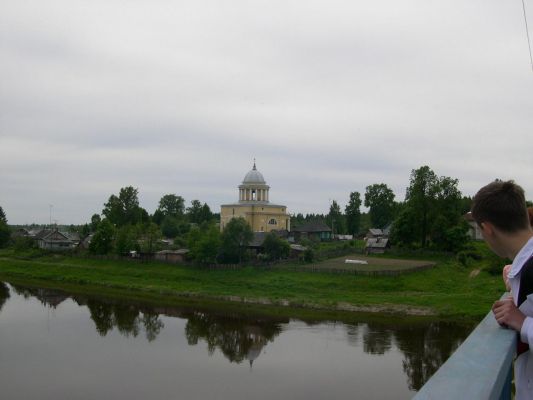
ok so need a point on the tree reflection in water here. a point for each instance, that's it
(4, 294)
(425, 345)
(237, 338)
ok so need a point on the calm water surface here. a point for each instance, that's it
(59, 346)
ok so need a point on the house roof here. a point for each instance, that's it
(312, 226)
(375, 231)
(377, 243)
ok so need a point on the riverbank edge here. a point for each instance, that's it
(219, 305)
(278, 307)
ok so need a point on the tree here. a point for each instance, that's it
(379, 198)
(95, 221)
(353, 213)
(126, 240)
(124, 209)
(172, 205)
(151, 235)
(170, 227)
(3, 217)
(432, 212)
(421, 196)
(335, 218)
(102, 241)
(5, 232)
(275, 247)
(199, 213)
(235, 238)
(206, 249)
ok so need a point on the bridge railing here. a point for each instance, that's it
(480, 369)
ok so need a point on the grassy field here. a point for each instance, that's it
(373, 264)
(446, 290)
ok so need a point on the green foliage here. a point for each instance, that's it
(23, 243)
(170, 227)
(309, 255)
(353, 213)
(102, 241)
(126, 240)
(206, 247)
(432, 213)
(3, 217)
(150, 236)
(124, 209)
(235, 238)
(198, 213)
(379, 198)
(335, 218)
(275, 247)
(95, 221)
(172, 205)
(5, 232)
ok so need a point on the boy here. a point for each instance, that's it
(500, 211)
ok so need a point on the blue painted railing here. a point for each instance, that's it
(480, 369)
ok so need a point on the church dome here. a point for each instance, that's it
(254, 176)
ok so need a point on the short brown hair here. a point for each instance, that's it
(503, 204)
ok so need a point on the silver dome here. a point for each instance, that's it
(254, 176)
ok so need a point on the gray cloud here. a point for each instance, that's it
(178, 97)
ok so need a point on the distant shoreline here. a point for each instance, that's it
(443, 291)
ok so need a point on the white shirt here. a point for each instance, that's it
(524, 363)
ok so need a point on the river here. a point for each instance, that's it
(56, 345)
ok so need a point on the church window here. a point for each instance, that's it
(273, 222)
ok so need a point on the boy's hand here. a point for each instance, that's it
(506, 313)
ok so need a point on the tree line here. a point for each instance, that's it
(432, 214)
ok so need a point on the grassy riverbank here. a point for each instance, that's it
(447, 290)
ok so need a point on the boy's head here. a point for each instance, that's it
(503, 204)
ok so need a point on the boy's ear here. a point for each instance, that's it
(487, 228)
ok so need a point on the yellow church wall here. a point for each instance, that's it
(259, 217)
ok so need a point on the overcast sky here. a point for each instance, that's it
(328, 96)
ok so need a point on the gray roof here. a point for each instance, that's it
(312, 226)
(377, 243)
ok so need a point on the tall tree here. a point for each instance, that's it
(432, 212)
(198, 212)
(335, 218)
(5, 232)
(172, 205)
(379, 198)
(353, 213)
(102, 241)
(3, 217)
(275, 247)
(235, 238)
(421, 196)
(124, 209)
(95, 221)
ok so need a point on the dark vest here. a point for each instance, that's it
(526, 288)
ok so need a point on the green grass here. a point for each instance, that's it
(447, 290)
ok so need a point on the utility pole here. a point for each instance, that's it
(51, 205)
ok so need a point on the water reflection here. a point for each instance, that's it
(237, 338)
(4, 294)
(424, 346)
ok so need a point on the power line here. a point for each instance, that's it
(527, 34)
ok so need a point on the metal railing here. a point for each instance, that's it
(480, 369)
